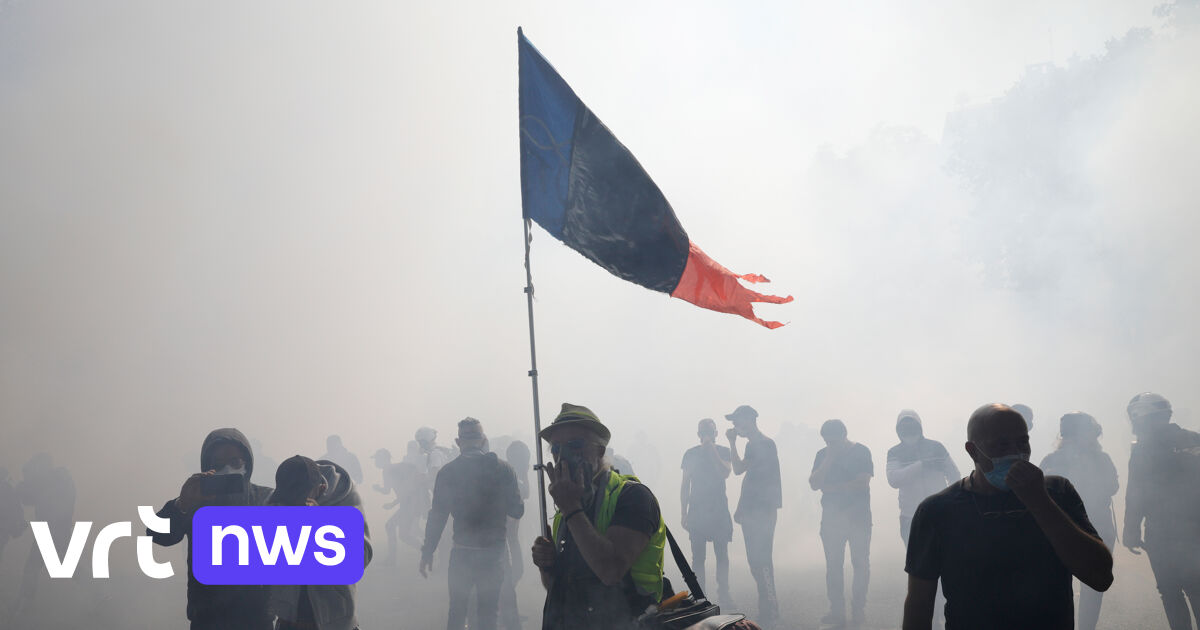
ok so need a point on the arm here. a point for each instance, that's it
(816, 480)
(435, 523)
(609, 556)
(724, 466)
(949, 468)
(918, 606)
(861, 482)
(1111, 481)
(685, 493)
(1135, 509)
(899, 473)
(516, 507)
(181, 525)
(1083, 554)
(736, 462)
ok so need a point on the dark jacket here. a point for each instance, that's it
(1162, 487)
(248, 603)
(332, 605)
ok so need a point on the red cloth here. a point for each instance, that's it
(707, 284)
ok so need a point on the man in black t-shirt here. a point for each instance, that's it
(758, 507)
(705, 506)
(1005, 540)
(842, 471)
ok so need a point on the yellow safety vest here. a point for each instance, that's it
(647, 569)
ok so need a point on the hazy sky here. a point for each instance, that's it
(304, 218)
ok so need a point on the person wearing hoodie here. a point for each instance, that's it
(224, 452)
(301, 481)
(917, 467)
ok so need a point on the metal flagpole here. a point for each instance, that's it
(533, 375)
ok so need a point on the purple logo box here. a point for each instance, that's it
(277, 545)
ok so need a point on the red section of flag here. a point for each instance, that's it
(709, 285)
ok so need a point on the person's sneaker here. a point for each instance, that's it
(858, 618)
(833, 618)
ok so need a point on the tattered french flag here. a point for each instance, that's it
(586, 189)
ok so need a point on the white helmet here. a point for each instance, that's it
(1147, 403)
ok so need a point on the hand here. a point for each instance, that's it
(1133, 542)
(191, 493)
(1027, 482)
(731, 435)
(310, 502)
(564, 488)
(543, 553)
(683, 520)
(426, 567)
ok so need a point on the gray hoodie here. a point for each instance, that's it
(918, 469)
(332, 604)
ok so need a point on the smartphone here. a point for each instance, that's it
(223, 484)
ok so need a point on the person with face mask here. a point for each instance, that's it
(705, 507)
(1164, 466)
(917, 467)
(226, 463)
(603, 562)
(1080, 458)
(1004, 541)
(480, 491)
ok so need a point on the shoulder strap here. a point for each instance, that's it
(689, 576)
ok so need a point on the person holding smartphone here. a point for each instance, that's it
(226, 463)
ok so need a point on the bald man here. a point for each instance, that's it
(1005, 541)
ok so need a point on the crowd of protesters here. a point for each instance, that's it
(998, 548)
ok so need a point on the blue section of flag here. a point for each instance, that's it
(586, 189)
(548, 111)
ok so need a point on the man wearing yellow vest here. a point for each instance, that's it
(604, 564)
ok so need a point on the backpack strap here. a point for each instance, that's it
(689, 576)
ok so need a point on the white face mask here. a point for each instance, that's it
(910, 439)
(229, 470)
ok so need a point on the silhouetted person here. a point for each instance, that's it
(1163, 493)
(481, 492)
(842, 471)
(518, 457)
(50, 490)
(1004, 541)
(406, 485)
(224, 452)
(337, 453)
(705, 506)
(758, 506)
(917, 467)
(12, 515)
(619, 462)
(1026, 414)
(604, 564)
(1080, 459)
(301, 481)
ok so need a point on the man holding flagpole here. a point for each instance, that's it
(603, 565)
